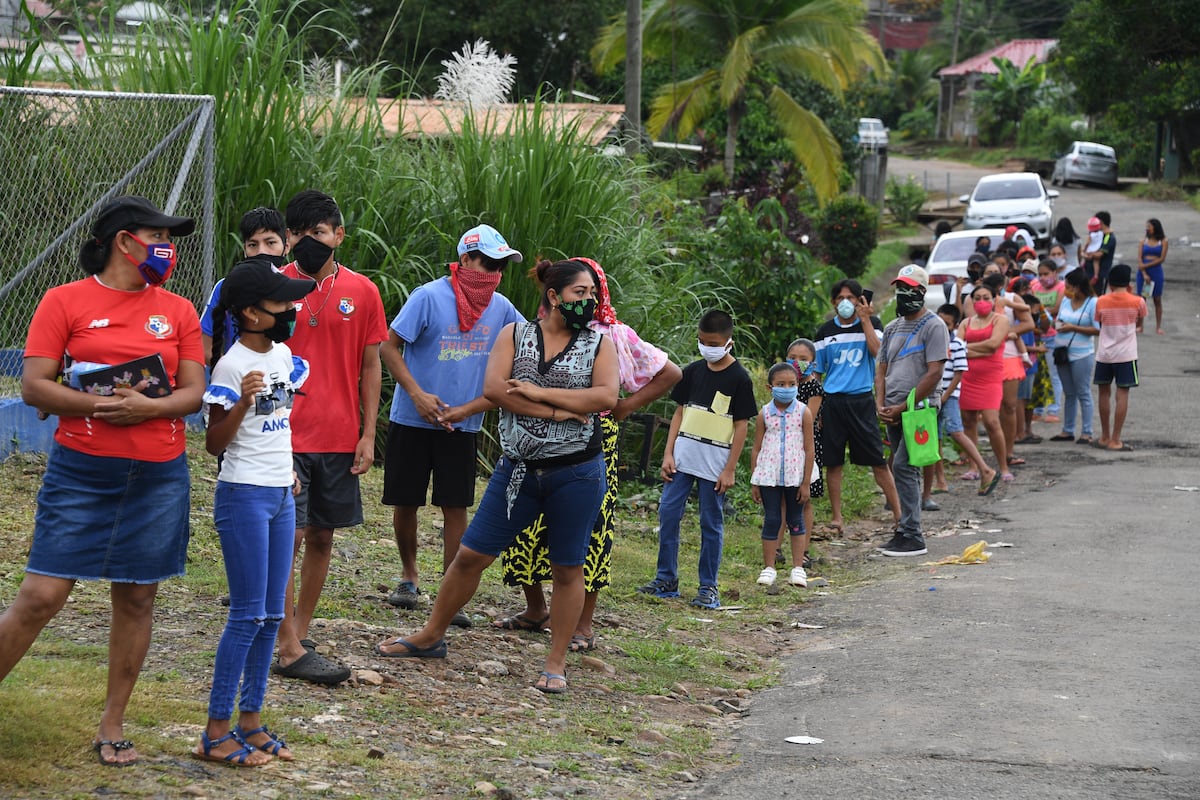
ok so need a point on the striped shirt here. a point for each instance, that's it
(1118, 314)
(956, 361)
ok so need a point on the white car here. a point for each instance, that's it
(948, 261)
(1011, 198)
(872, 134)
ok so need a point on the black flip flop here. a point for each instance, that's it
(520, 622)
(410, 650)
(117, 746)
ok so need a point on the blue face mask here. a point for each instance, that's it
(845, 308)
(784, 394)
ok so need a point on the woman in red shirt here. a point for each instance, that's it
(114, 500)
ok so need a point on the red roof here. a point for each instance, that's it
(1018, 52)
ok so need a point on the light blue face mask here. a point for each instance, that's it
(784, 394)
(845, 308)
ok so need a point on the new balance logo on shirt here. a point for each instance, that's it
(98, 323)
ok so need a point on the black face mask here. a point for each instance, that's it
(311, 255)
(275, 261)
(284, 327)
(578, 313)
(974, 275)
(909, 301)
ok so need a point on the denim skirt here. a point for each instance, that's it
(114, 519)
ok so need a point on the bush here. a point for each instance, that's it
(904, 200)
(849, 231)
(920, 123)
(1045, 129)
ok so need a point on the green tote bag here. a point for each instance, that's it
(920, 425)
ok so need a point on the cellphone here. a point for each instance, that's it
(868, 295)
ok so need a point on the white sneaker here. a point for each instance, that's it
(798, 577)
(767, 576)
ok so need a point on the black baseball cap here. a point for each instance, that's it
(132, 211)
(254, 280)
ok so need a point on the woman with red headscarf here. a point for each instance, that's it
(647, 374)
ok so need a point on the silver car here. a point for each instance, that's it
(948, 262)
(1086, 162)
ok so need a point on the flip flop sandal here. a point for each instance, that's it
(117, 746)
(1084, 440)
(547, 688)
(1016, 462)
(1062, 437)
(1007, 477)
(273, 746)
(313, 667)
(582, 644)
(520, 622)
(984, 491)
(969, 476)
(437, 650)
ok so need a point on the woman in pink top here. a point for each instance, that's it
(984, 333)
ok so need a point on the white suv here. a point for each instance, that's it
(872, 134)
(1011, 198)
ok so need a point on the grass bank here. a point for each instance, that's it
(659, 699)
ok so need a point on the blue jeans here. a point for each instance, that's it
(773, 500)
(569, 498)
(712, 527)
(257, 526)
(1077, 388)
(1056, 407)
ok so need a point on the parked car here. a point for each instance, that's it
(872, 134)
(1087, 162)
(1011, 198)
(948, 261)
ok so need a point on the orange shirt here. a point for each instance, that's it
(91, 322)
(1118, 314)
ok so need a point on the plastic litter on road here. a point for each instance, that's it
(975, 554)
(803, 740)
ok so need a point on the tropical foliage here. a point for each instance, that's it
(1005, 97)
(820, 39)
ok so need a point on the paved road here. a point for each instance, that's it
(1066, 667)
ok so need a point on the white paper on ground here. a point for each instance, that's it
(803, 740)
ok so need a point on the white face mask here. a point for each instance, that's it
(845, 308)
(714, 354)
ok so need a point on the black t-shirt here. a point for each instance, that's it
(712, 401)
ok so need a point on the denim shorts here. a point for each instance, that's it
(568, 497)
(114, 519)
(950, 418)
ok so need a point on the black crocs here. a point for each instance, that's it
(313, 667)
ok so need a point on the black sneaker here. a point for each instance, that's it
(406, 595)
(660, 588)
(892, 542)
(461, 620)
(905, 547)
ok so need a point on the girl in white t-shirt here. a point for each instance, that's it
(250, 400)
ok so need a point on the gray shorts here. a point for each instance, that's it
(329, 493)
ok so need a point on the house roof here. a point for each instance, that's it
(417, 117)
(1018, 52)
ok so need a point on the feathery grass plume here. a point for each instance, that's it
(477, 76)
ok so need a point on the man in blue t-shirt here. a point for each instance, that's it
(847, 346)
(437, 351)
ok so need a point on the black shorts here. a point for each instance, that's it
(415, 453)
(1124, 373)
(851, 418)
(329, 495)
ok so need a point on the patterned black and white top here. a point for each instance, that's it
(542, 443)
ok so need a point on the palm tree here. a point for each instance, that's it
(821, 39)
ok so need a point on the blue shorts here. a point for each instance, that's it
(949, 418)
(113, 519)
(1125, 374)
(567, 497)
(1025, 387)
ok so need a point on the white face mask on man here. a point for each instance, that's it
(845, 308)
(714, 354)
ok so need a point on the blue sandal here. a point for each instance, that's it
(237, 758)
(272, 747)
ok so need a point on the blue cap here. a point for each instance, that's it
(488, 241)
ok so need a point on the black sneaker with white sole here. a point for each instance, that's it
(905, 547)
(892, 542)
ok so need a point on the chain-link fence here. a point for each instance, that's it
(63, 156)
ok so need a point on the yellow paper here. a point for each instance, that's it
(700, 423)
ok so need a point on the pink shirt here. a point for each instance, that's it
(637, 361)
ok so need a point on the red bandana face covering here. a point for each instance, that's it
(473, 291)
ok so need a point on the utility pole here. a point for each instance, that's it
(633, 76)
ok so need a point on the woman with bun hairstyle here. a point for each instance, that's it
(551, 379)
(114, 500)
